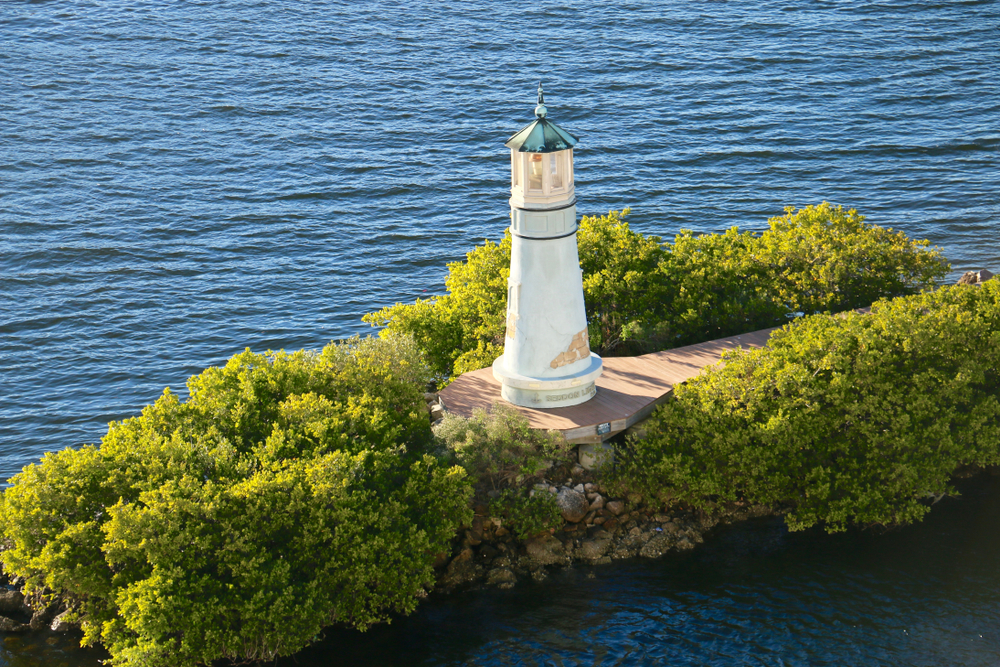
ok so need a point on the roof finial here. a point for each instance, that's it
(540, 110)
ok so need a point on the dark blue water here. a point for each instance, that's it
(181, 180)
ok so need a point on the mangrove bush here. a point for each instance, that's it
(643, 294)
(840, 419)
(288, 492)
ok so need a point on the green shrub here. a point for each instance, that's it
(844, 419)
(469, 320)
(289, 492)
(499, 448)
(644, 295)
(528, 514)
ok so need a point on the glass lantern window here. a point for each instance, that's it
(556, 161)
(515, 170)
(535, 172)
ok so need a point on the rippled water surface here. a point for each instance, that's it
(181, 180)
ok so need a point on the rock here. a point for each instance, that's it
(437, 412)
(572, 504)
(616, 507)
(589, 519)
(430, 397)
(43, 616)
(597, 503)
(546, 550)
(969, 278)
(621, 552)
(985, 275)
(461, 570)
(12, 602)
(670, 527)
(611, 525)
(589, 487)
(440, 560)
(595, 547)
(684, 544)
(61, 624)
(473, 538)
(10, 625)
(661, 518)
(577, 470)
(501, 577)
(656, 547)
(487, 552)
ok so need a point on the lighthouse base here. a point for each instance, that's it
(559, 392)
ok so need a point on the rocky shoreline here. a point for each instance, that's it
(597, 529)
(19, 614)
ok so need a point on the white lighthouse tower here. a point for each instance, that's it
(547, 362)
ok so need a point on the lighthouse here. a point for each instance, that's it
(547, 362)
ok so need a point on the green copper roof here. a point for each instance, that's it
(542, 136)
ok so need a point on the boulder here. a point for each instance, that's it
(10, 625)
(461, 570)
(501, 577)
(61, 624)
(42, 618)
(572, 504)
(12, 602)
(595, 547)
(969, 278)
(546, 550)
(656, 547)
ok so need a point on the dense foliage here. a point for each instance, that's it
(504, 456)
(643, 294)
(290, 491)
(527, 513)
(498, 447)
(846, 419)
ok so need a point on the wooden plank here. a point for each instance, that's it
(628, 391)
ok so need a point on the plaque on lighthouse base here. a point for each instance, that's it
(548, 392)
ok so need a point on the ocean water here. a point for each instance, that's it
(180, 181)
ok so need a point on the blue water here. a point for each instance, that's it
(179, 181)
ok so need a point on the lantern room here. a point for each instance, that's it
(541, 163)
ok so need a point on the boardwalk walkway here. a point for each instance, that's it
(627, 392)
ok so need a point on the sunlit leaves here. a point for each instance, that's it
(288, 492)
(841, 419)
(644, 295)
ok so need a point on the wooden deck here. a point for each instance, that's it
(627, 392)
